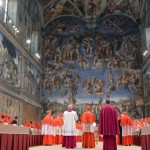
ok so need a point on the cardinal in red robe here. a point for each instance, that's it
(47, 129)
(108, 126)
(60, 127)
(87, 119)
(126, 123)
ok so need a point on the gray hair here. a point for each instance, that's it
(70, 106)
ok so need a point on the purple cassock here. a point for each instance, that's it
(108, 127)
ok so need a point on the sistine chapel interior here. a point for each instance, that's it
(81, 52)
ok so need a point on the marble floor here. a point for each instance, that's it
(79, 147)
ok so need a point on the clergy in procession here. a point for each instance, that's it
(108, 126)
(79, 131)
(69, 129)
(120, 128)
(55, 129)
(2, 119)
(59, 131)
(126, 123)
(87, 119)
(47, 129)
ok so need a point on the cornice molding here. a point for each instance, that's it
(6, 85)
(27, 99)
(19, 45)
(145, 64)
(17, 93)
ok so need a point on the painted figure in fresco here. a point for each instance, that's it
(131, 82)
(96, 58)
(11, 67)
(72, 100)
(77, 79)
(113, 63)
(73, 88)
(91, 8)
(79, 5)
(58, 55)
(27, 83)
(49, 10)
(15, 78)
(127, 7)
(93, 85)
(63, 74)
(103, 51)
(84, 62)
(45, 83)
(64, 93)
(57, 80)
(54, 41)
(59, 9)
(49, 54)
(2, 50)
(137, 7)
(98, 61)
(111, 7)
(32, 78)
(122, 80)
(46, 42)
(98, 87)
(87, 87)
(88, 45)
(69, 50)
(77, 52)
(61, 28)
(5, 71)
(111, 86)
(8, 69)
(50, 87)
(20, 76)
(129, 47)
(75, 28)
(123, 64)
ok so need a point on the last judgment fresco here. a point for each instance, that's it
(92, 56)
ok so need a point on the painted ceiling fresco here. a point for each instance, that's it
(92, 53)
(86, 9)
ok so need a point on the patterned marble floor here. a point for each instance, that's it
(98, 147)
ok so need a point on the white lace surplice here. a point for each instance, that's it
(69, 127)
(88, 127)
